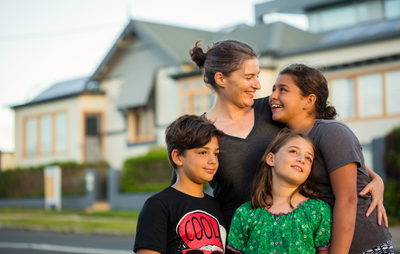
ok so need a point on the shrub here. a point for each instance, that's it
(150, 172)
(29, 182)
(392, 168)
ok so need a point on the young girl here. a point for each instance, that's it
(283, 216)
(299, 100)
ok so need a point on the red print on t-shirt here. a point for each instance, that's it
(201, 233)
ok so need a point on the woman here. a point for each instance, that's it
(299, 100)
(231, 69)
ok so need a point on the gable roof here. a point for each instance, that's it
(61, 90)
(162, 45)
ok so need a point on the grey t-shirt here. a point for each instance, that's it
(337, 146)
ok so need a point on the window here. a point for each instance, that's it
(350, 14)
(141, 125)
(366, 96)
(61, 132)
(45, 134)
(370, 95)
(392, 79)
(197, 105)
(343, 94)
(31, 136)
(195, 97)
(392, 9)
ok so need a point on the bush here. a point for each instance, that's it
(392, 168)
(29, 182)
(150, 172)
(392, 197)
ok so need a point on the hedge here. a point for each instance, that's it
(29, 182)
(150, 172)
(392, 168)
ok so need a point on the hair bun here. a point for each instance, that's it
(198, 56)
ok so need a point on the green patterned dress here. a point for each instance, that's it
(304, 229)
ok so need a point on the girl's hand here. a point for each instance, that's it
(376, 187)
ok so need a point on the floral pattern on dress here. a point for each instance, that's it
(304, 229)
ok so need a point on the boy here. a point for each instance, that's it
(182, 218)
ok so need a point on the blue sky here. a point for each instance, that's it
(43, 42)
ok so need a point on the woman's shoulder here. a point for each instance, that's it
(261, 102)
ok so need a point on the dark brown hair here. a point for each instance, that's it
(189, 132)
(311, 81)
(224, 56)
(261, 195)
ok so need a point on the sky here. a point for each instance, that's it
(43, 42)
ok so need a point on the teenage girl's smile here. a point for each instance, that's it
(286, 101)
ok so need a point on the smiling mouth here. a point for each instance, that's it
(297, 168)
(276, 106)
(250, 93)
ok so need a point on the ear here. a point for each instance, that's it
(310, 101)
(270, 159)
(176, 157)
(220, 79)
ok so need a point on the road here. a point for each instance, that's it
(18, 242)
(33, 242)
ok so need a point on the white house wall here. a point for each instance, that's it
(166, 110)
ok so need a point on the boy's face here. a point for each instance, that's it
(199, 165)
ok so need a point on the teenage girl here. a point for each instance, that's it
(299, 100)
(283, 216)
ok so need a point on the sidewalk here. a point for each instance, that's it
(395, 238)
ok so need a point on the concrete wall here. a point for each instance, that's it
(123, 201)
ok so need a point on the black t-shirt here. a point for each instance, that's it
(171, 221)
(239, 158)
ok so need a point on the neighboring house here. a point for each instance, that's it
(147, 80)
(64, 123)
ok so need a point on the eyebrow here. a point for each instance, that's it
(207, 148)
(299, 148)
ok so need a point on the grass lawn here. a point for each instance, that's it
(112, 222)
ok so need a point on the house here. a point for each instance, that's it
(147, 80)
(63, 123)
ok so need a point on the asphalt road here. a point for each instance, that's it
(33, 242)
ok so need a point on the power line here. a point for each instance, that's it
(41, 35)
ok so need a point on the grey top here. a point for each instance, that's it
(337, 146)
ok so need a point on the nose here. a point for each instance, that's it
(274, 95)
(256, 84)
(301, 159)
(213, 159)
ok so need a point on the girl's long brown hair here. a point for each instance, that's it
(261, 195)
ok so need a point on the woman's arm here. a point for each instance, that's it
(344, 186)
(376, 187)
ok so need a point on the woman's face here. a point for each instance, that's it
(239, 88)
(287, 103)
